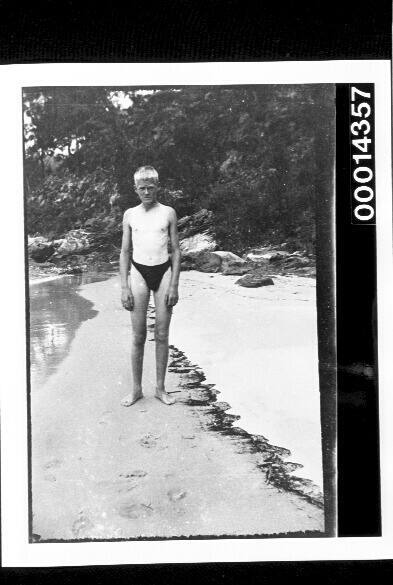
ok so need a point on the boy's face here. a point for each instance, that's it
(146, 190)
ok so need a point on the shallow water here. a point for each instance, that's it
(56, 312)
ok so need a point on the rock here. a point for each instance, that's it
(197, 243)
(41, 251)
(202, 261)
(278, 256)
(201, 221)
(214, 261)
(196, 233)
(261, 258)
(235, 268)
(71, 270)
(254, 280)
(74, 242)
(296, 262)
(207, 262)
(231, 263)
(229, 257)
(187, 264)
(261, 255)
(31, 240)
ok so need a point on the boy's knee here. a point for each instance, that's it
(161, 335)
(139, 338)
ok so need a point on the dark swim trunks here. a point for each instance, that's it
(152, 274)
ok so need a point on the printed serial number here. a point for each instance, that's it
(362, 155)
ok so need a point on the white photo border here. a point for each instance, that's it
(16, 549)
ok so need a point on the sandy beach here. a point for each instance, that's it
(259, 346)
(101, 471)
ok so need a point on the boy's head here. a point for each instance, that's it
(146, 184)
(146, 173)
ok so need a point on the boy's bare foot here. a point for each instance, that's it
(131, 398)
(164, 397)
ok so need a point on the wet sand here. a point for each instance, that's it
(102, 471)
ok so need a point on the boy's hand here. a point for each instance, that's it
(172, 296)
(127, 300)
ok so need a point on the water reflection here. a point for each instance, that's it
(56, 312)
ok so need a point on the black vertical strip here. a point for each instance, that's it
(325, 250)
(359, 509)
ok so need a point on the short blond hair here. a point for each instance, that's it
(146, 173)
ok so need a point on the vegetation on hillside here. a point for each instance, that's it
(255, 155)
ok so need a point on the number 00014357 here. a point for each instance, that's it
(363, 195)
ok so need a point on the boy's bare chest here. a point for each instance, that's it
(151, 221)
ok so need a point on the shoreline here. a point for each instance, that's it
(40, 280)
(272, 458)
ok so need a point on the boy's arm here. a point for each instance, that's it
(176, 257)
(125, 255)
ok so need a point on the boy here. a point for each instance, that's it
(147, 229)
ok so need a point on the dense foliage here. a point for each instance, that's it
(257, 156)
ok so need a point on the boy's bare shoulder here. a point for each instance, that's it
(169, 210)
(129, 211)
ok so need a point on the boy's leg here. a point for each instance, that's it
(141, 295)
(163, 318)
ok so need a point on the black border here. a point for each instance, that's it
(188, 31)
(28, 38)
(255, 573)
(359, 498)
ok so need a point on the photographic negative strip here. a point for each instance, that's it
(274, 176)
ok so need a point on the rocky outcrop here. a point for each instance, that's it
(231, 263)
(74, 242)
(202, 261)
(254, 280)
(235, 268)
(197, 243)
(201, 222)
(216, 261)
(227, 257)
(40, 249)
(277, 260)
(196, 235)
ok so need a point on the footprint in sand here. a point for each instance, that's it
(176, 494)
(50, 477)
(149, 440)
(52, 464)
(134, 510)
(104, 417)
(131, 480)
(128, 487)
(81, 525)
(134, 473)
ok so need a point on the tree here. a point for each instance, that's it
(252, 154)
